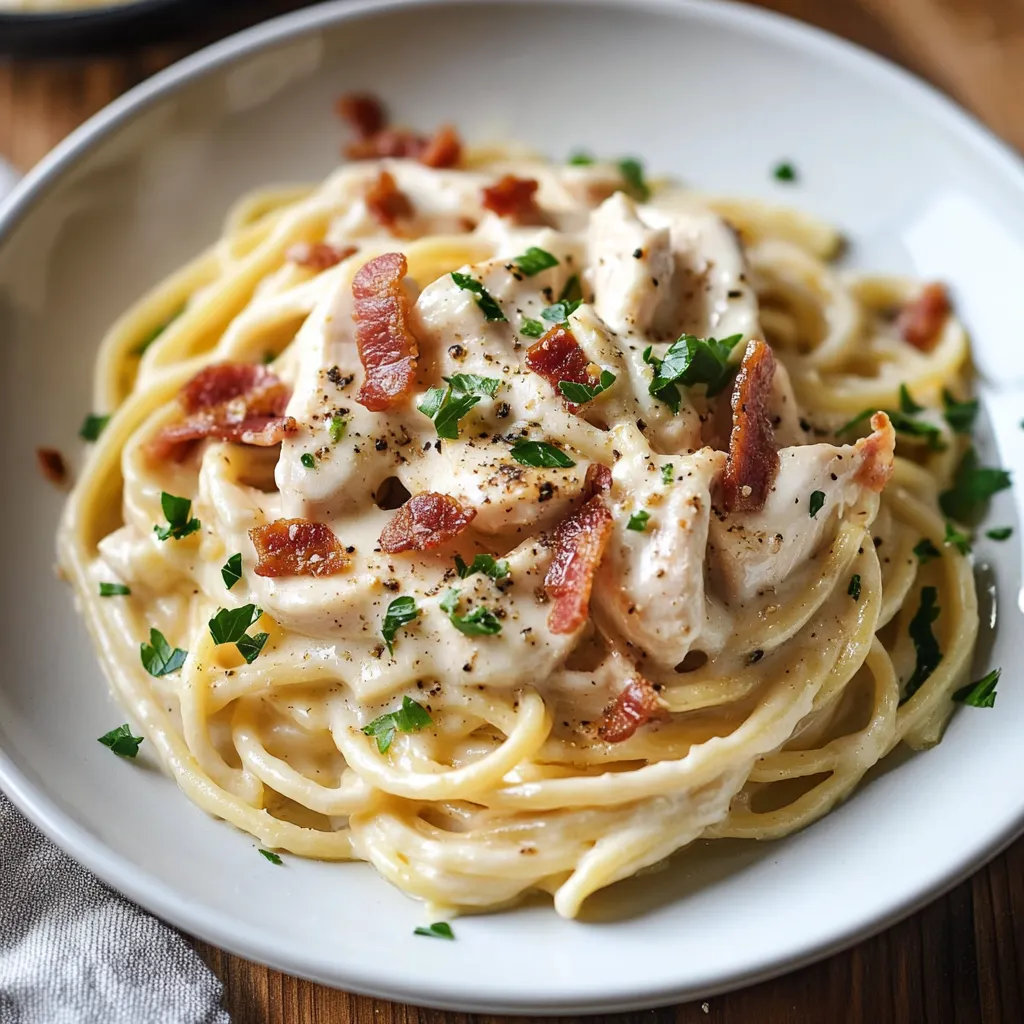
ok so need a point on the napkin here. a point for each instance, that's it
(73, 951)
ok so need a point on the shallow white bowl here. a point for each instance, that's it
(713, 93)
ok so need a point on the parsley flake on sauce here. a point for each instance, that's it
(474, 384)
(437, 930)
(926, 550)
(578, 394)
(158, 659)
(92, 427)
(633, 172)
(638, 521)
(1000, 533)
(337, 428)
(480, 621)
(271, 856)
(816, 503)
(690, 361)
(490, 309)
(176, 511)
(540, 455)
(907, 403)
(957, 539)
(959, 415)
(854, 588)
(399, 613)
(496, 568)
(580, 159)
(925, 644)
(534, 260)
(229, 626)
(231, 570)
(532, 328)
(784, 171)
(973, 485)
(113, 590)
(308, 460)
(121, 741)
(981, 694)
(446, 406)
(410, 717)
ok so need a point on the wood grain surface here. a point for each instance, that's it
(959, 960)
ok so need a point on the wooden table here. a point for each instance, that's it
(959, 960)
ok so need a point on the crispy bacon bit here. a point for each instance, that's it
(876, 451)
(444, 149)
(425, 521)
(52, 465)
(597, 481)
(387, 347)
(240, 402)
(397, 143)
(364, 112)
(557, 356)
(921, 320)
(753, 458)
(579, 541)
(512, 197)
(297, 547)
(635, 706)
(319, 255)
(387, 202)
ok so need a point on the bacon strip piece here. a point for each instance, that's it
(425, 521)
(387, 347)
(557, 356)
(635, 706)
(444, 149)
(753, 458)
(512, 197)
(580, 541)
(319, 255)
(239, 402)
(52, 465)
(365, 113)
(387, 202)
(297, 547)
(921, 320)
(877, 451)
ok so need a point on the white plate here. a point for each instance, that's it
(714, 93)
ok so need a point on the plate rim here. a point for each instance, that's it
(192, 916)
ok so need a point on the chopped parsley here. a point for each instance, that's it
(540, 455)
(121, 741)
(534, 260)
(907, 404)
(480, 621)
(490, 309)
(816, 503)
(231, 570)
(667, 473)
(638, 521)
(926, 550)
(973, 485)
(437, 930)
(532, 328)
(308, 459)
(854, 588)
(580, 159)
(496, 568)
(337, 428)
(113, 590)
(92, 427)
(229, 626)
(959, 415)
(784, 171)
(157, 657)
(446, 406)
(400, 613)
(580, 393)
(957, 539)
(690, 361)
(177, 512)
(1000, 533)
(572, 291)
(981, 694)
(271, 856)
(927, 647)
(155, 333)
(410, 717)
(633, 172)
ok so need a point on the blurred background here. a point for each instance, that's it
(59, 67)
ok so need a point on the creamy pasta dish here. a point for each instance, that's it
(510, 525)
